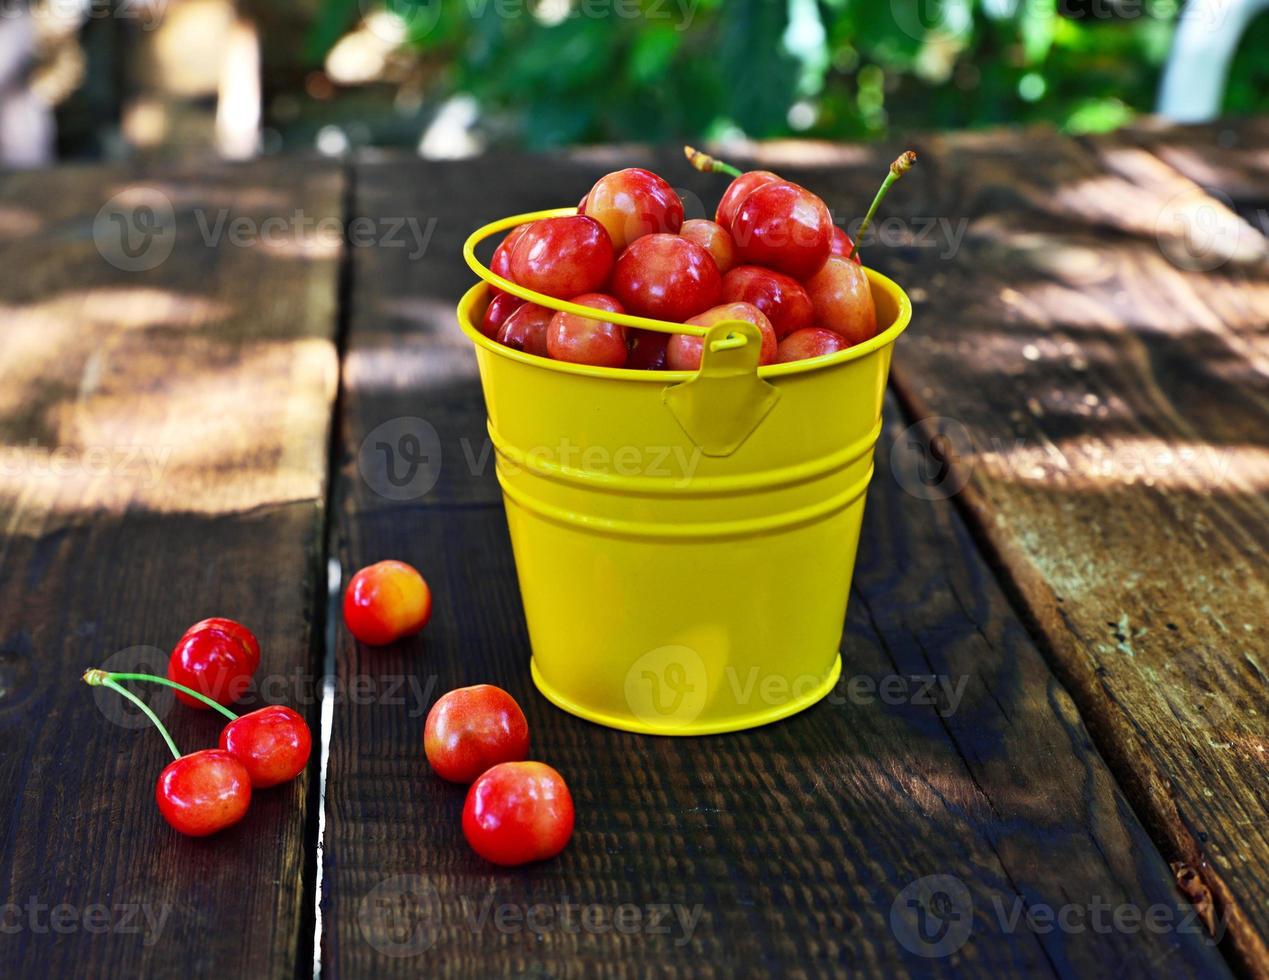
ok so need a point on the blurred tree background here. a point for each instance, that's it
(551, 72)
(450, 77)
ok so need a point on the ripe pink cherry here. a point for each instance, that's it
(587, 340)
(496, 313)
(273, 744)
(843, 300)
(684, 350)
(712, 237)
(781, 298)
(501, 261)
(563, 257)
(203, 792)
(809, 342)
(525, 329)
(784, 227)
(737, 191)
(667, 278)
(632, 203)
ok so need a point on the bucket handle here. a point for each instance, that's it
(719, 406)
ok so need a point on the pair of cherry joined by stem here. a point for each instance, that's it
(206, 791)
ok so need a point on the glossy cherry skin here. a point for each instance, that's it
(563, 257)
(501, 261)
(809, 342)
(737, 191)
(842, 245)
(784, 227)
(386, 601)
(781, 298)
(216, 657)
(646, 349)
(518, 812)
(525, 329)
(843, 300)
(666, 277)
(632, 203)
(203, 792)
(684, 350)
(273, 744)
(472, 729)
(712, 237)
(587, 340)
(496, 313)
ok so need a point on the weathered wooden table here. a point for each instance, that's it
(1048, 751)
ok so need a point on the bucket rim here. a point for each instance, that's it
(903, 316)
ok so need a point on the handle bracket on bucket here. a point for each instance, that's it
(722, 405)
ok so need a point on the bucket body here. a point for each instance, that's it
(675, 581)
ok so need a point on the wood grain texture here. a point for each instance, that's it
(1095, 345)
(784, 849)
(164, 433)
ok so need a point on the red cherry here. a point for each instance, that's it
(781, 298)
(525, 329)
(712, 237)
(842, 300)
(203, 792)
(842, 246)
(501, 261)
(784, 227)
(737, 191)
(667, 278)
(563, 257)
(518, 812)
(632, 203)
(471, 729)
(646, 349)
(497, 312)
(583, 340)
(273, 744)
(809, 342)
(684, 350)
(216, 657)
(386, 601)
(234, 629)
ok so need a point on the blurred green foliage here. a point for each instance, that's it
(549, 72)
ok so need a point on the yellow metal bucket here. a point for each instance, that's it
(684, 541)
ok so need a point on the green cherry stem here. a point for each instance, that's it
(707, 164)
(897, 169)
(153, 679)
(99, 678)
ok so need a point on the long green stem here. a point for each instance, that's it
(706, 164)
(154, 679)
(897, 169)
(99, 678)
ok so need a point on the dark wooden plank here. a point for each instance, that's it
(164, 432)
(784, 849)
(1099, 354)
